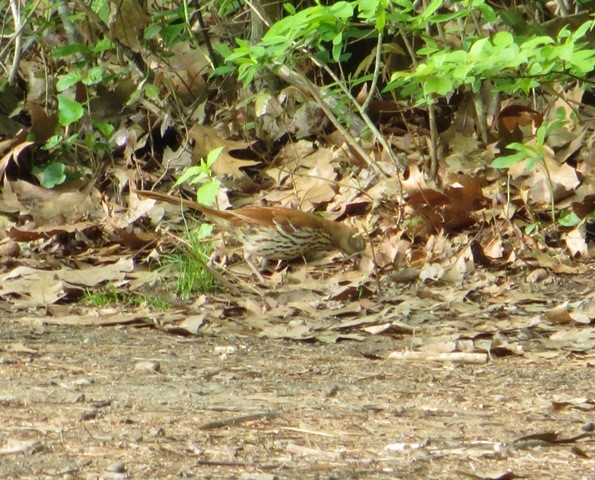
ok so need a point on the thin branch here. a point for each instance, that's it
(16, 36)
(363, 115)
(409, 48)
(378, 61)
(18, 44)
(433, 142)
(303, 84)
(205, 34)
(232, 421)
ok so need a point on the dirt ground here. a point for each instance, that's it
(127, 402)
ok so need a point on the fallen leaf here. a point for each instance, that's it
(207, 139)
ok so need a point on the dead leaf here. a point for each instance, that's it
(534, 185)
(48, 231)
(12, 149)
(576, 241)
(127, 21)
(431, 271)
(32, 287)
(207, 139)
(42, 124)
(454, 357)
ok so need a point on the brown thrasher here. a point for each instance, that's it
(275, 233)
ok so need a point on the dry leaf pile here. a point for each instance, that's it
(451, 247)
(459, 345)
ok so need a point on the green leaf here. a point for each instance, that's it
(222, 49)
(508, 160)
(71, 49)
(220, 71)
(457, 57)
(584, 60)
(569, 219)
(541, 133)
(534, 42)
(502, 39)
(428, 50)
(94, 76)
(431, 8)
(102, 45)
(580, 32)
(151, 31)
(190, 173)
(106, 129)
(68, 80)
(53, 142)
(477, 48)
(404, 4)
(151, 91)
(529, 229)
(461, 72)
(204, 230)
(101, 8)
(342, 10)
(439, 85)
(213, 155)
(171, 33)
(51, 174)
(69, 111)
(337, 47)
(207, 193)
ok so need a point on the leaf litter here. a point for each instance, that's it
(451, 290)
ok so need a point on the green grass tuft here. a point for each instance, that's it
(111, 296)
(189, 264)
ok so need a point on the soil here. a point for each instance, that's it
(128, 402)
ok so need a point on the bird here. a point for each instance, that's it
(275, 233)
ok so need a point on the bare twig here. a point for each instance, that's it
(18, 43)
(455, 357)
(433, 142)
(303, 84)
(363, 115)
(17, 33)
(225, 422)
(377, 64)
(205, 35)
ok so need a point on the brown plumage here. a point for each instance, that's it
(276, 233)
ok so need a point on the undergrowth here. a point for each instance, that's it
(188, 264)
(113, 296)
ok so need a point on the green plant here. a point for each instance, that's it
(83, 76)
(50, 174)
(189, 263)
(112, 296)
(311, 28)
(84, 56)
(568, 218)
(534, 154)
(203, 175)
(512, 64)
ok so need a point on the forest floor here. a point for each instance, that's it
(124, 401)
(460, 345)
